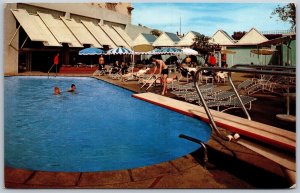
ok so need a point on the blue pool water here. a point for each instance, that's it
(100, 128)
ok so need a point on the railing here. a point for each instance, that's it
(244, 70)
(205, 158)
(51, 69)
(277, 32)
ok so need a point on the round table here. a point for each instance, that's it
(287, 116)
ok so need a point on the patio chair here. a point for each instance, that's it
(185, 74)
(221, 76)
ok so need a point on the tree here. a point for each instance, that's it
(156, 32)
(203, 46)
(287, 13)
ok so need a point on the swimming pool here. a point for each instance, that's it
(100, 128)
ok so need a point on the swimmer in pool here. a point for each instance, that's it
(72, 89)
(56, 91)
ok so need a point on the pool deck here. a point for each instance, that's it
(230, 165)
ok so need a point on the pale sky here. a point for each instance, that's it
(207, 18)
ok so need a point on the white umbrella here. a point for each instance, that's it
(189, 51)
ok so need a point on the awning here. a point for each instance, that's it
(124, 35)
(114, 36)
(282, 40)
(99, 34)
(81, 33)
(34, 27)
(59, 30)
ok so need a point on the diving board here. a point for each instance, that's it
(261, 132)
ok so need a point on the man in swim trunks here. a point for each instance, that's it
(163, 70)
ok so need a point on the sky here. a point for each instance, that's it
(207, 18)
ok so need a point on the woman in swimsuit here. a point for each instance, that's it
(163, 69)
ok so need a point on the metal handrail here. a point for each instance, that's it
(205, 159)
(264, 67)
(235, 69)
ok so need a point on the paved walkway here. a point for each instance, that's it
(230, 165)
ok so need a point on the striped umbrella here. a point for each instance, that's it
(156, 51)
(91, 51)
(119, 51)
(170, 51)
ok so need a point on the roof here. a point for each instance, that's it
(196, 33)
(166, 40)
(133, 30)
(252, 37)
(188, 39)
(280, 40)
(173, 36)
(222, 38)
(149, 37)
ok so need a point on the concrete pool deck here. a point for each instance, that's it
(230, 165)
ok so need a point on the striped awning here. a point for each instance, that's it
(99, 34)
(124, 35)
(81, 33)
(35, 27)
(114, 36)
(59, 30)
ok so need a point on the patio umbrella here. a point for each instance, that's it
(155, 51)
(91, 51)
(119, 51)
(189, 51)
(170, 51)
(142, 48)
(227, 52)
(263, 51)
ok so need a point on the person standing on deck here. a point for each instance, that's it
(101, 63)
(56, 61)
(212, 61)
(163, 70)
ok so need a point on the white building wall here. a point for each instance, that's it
(10, 53)
(140, 40)
(187, 40)
(252, 37)
(163, 40)
(88, 10)
(221, 39)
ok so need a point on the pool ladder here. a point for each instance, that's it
(290, 71)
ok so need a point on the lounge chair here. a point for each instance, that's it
(230, 103)
(135, 75)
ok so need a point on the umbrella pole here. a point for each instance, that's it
(132, 65)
